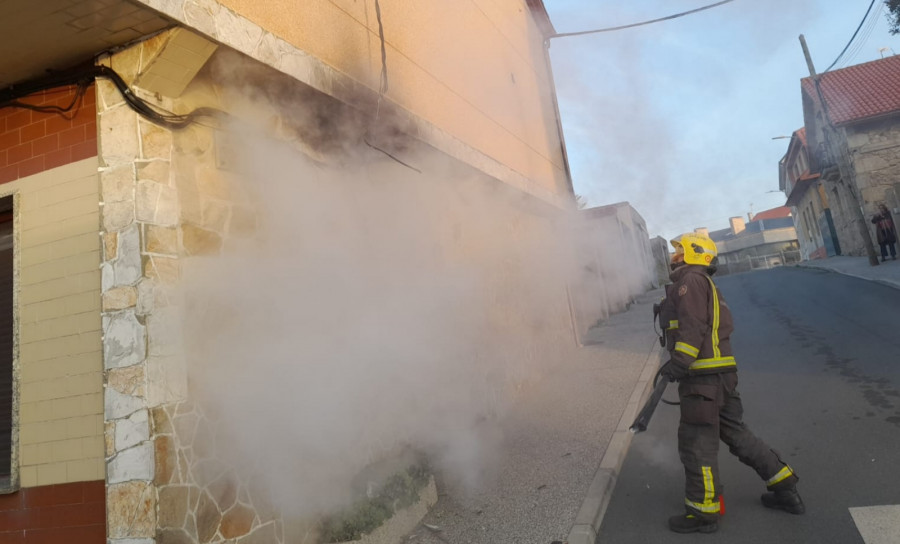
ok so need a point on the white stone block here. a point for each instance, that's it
(238, 32)
(118, 405)
(124, 341)
(118, 136)
(127, 265)
(118, 215)
(107, 277)
(164, 332)
(297, 64)
(146, 301)
(135, 463)
(200, 15)
(166, 380)
(132, 430)
(156, 203)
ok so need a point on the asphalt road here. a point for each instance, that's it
(819, 364)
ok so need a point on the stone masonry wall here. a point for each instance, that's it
(137, 202)
(876, 151)
(163, 200)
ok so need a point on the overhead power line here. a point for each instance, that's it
(851, 37)
(863, 37)
(623, 27)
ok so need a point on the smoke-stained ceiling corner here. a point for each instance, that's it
(58, 34)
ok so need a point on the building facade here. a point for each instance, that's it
(616, 262)
(808, 200)
(851, 118)
(768, 240)
(226, 141)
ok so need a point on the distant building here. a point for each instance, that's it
(616, 262)
(808, 200)
(852, 124)
(659, 247)
(769, 239)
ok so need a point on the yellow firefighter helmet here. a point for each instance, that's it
(697, 249)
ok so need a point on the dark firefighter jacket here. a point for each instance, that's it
(697, 322)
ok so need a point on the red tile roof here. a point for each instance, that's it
(859, 92)
(774, 213)
(801, 134)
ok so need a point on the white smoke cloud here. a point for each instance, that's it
(374, 308)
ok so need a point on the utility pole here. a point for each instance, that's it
(844, 170)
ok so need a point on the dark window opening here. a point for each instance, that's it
(7, 393)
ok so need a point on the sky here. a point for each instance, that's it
(678, 117)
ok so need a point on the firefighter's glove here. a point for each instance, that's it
(673, 371)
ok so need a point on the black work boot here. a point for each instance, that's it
(694, 522)
(784, 496)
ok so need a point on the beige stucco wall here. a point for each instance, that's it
(498, 103)
(472, 104)
(60, 358)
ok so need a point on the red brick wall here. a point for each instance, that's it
(55, 514)
(31, 142)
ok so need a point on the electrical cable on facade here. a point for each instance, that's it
(83, 77)
(382, 90)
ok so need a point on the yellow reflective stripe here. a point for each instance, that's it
(782, 474)
(721, 362)
(673, 324)
(687, 348)
(711, 507)
(715, 326)
(708, 487)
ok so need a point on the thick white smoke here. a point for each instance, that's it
(374, 307)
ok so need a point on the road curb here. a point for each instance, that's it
(889, 283)
(590, 515)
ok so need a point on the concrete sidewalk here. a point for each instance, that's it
(547, 486)
(887, 273)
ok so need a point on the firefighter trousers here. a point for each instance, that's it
(711, 410)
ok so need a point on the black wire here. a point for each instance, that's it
(376, 148)
(666, 18)
(383, 88)
(61, 111)
(851, 37)
(83, 77)
(862, 38)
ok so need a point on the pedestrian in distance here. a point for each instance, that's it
(698, 326)
(885, 232)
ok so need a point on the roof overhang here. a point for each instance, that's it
(53, 35)
(803, 184)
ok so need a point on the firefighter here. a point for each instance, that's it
(698, 327)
